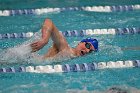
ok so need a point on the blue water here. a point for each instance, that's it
(109, 48)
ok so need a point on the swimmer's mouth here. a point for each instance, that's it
(82, 53)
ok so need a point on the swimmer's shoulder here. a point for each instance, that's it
(71, 51)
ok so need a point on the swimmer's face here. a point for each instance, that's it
(84, 48)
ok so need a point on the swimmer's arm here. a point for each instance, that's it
(51, 52)
(46, 30)
(131, 48)
(45, 37)
(50, 30)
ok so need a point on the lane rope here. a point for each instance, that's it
(115, 8)
(73, 68)
(76, 33)
(16, 35)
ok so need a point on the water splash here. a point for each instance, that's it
(110, 50)
(20, 53)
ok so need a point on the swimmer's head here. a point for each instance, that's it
(87, 45)
(92, 41)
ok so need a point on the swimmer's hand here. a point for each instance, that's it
(38, 45)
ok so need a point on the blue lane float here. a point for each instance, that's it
(16, 35)
(117, 8)
(12, 70)
(122, 8)
(117, 31)
(84, 67)
(79, 67)
(76, 33)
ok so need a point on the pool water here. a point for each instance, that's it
(110, 48)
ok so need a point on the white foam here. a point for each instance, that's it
(21, 52)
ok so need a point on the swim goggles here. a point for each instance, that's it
(88, 46)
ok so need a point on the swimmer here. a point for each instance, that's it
(60, 45)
